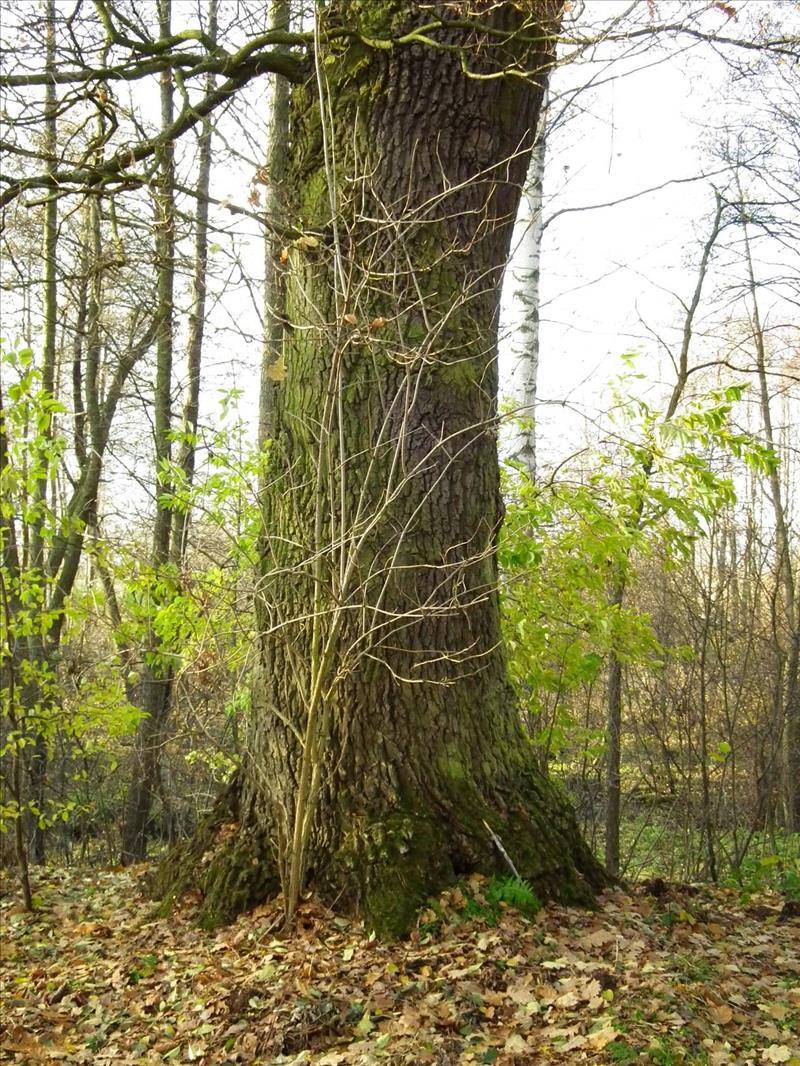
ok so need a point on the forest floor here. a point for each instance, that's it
(673, 974)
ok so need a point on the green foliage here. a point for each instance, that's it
(33, 450)
(657, 844)
(560, 547)
(28, 524)
(220, 765)
(160, 616)
(501, 892)
(567, 549)
(143, 968)
(37, 713)
(173, 616)
(516, 892)
(778, 870)
(478, 900)
(223, 495)
(191, 619)
(621, 1051)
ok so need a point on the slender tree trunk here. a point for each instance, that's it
(78, 349)
(613, 808)
(783, 551)
(619, 585)
(275, 167)
(49, 249)
(708, 829)
(519, 326)
(194, 346)
(11, 657)
(153, 689)
(386, 756)
(96, 408)
(793, 727)
(35, 696)
(53, 557)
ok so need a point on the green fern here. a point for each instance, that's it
(515, 892)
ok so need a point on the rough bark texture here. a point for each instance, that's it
(377, 604)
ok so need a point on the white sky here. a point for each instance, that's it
(606, 274)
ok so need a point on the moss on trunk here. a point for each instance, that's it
(230, 866)
(392, 865)
(382, 504)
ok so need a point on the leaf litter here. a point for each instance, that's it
(690, 975)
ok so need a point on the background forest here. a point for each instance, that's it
(650, 374)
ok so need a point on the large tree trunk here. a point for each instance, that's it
(386, 756)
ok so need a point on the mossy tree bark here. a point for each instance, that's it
(385, 737)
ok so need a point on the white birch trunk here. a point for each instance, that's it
(519, 325)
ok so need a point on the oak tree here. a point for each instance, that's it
(386, 756)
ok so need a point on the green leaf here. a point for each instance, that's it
(365, 1026)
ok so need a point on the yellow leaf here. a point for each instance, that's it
(573, 1043)
(568, 999)
(350, 319)
(721, 1014)
(515, 1045)
(776, 1053)
(599, 938)
(601, 1038)
(777, 1012)
(277, 371)
(365, 1026)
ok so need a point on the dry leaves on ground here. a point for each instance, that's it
(691, 977)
